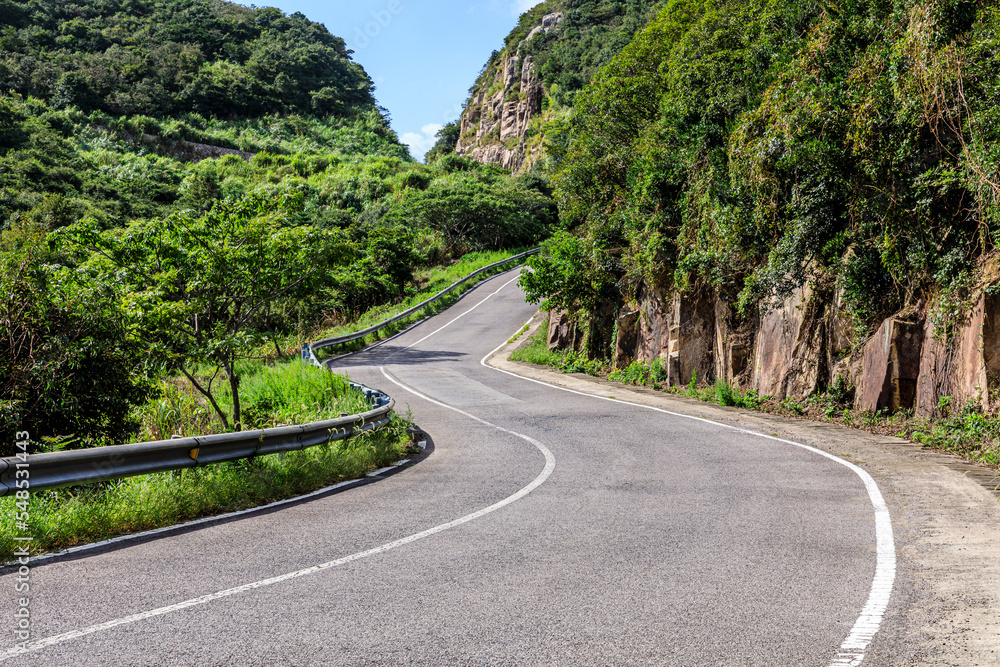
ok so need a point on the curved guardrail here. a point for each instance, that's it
(52, 470)
(309, 349)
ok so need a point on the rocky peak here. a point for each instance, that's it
(549, 23)
(549, 57)
(494, 124)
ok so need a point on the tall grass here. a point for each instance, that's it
(63, 518)
(291, 392)
(272, 395)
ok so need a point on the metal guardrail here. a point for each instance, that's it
(308, 350)
(52, 470)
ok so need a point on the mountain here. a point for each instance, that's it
(529, 86)
(206, 129)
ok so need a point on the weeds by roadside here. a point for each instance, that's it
(537, 352)
(968, 432)
(66, 517)
(273, 395)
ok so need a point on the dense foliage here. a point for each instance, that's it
(185, 182)
(753, 145)
(590, 34)
(164, 57)
(68, 368)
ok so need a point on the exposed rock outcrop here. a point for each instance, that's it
(495, 122)
(891, 365)
(964, 368)
(564, 334)
(804, 344)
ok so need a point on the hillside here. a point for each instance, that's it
(188, 184)
(755, 188)
(165, 57)
(529, 86)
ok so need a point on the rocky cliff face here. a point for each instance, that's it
(804, 345)
(494, 126)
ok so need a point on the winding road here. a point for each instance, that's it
(545, 527)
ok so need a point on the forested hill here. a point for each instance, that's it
(527, 88)
(164, 57)
(236, 150)
(109, 107)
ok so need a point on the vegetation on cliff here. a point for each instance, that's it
(753, 146)
(581, 37)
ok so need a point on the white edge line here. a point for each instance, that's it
(380, 343)
(196, 522)
(852, 650)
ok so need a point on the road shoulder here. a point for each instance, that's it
(947, 598)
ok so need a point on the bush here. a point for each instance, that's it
(69, 371)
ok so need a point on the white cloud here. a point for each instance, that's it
(512, 7)
(519, 7)
(423, 141)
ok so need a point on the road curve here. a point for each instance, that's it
(546, 528)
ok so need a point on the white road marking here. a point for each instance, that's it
(181, 526)
(436, 331)
(331, 360)
(852, 650)
(550, 464)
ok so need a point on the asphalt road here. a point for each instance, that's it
(545, 528)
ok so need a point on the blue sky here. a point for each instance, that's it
(423, 56)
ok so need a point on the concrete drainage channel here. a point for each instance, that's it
(52, 470)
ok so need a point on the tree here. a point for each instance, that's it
(447, 139)
(568, 274)
(194, 287)
(478, 210)
(67, 365)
